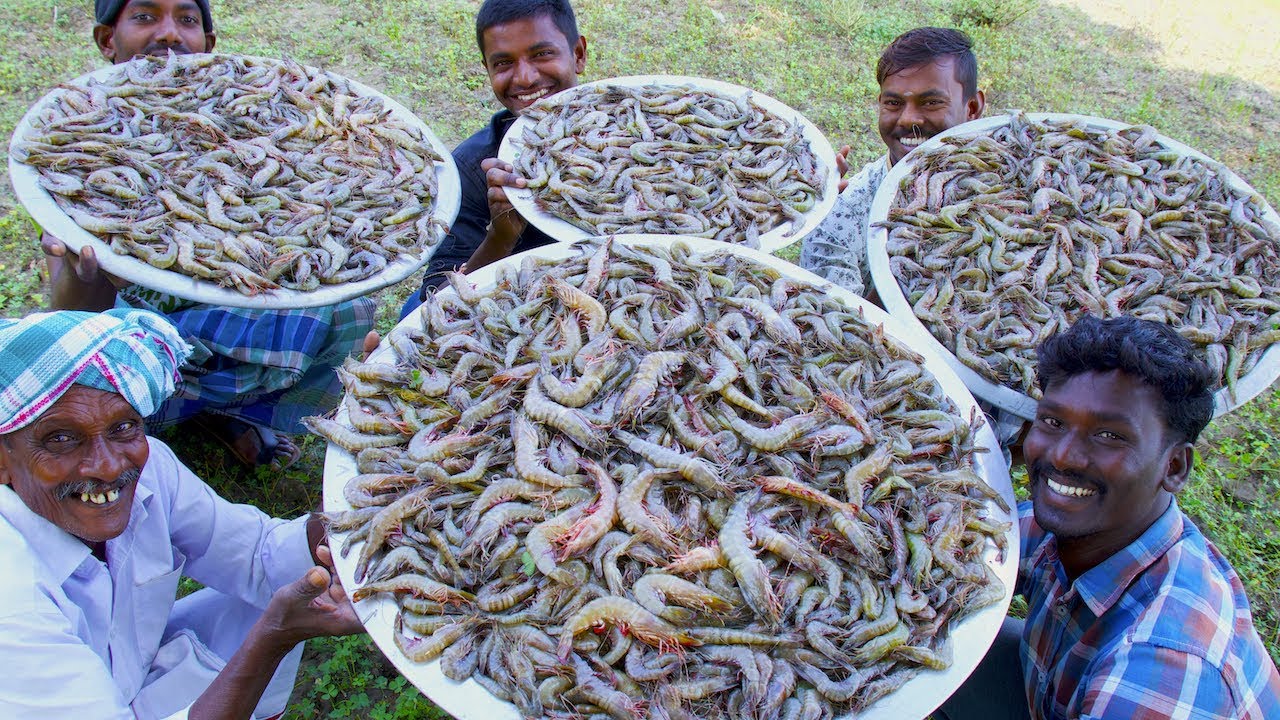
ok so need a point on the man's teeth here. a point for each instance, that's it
(100, 498)
(532, 96)
(911, 141)
(1071, 491)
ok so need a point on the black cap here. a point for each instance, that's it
(106, 12)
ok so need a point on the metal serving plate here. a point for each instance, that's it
(38, 202)
(916, 699)
(1024, 406)
(779, 237)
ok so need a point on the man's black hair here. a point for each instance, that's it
(927, 45)
(1150, 351)
(499, 12)
(107, 12)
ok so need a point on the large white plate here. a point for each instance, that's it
(38, 202)
(779, 237)
(919, 697)
(1024, 406)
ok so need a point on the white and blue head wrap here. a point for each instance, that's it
(131, 352)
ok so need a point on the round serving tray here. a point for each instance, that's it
(43, 209)
(1024, 406)
(916, 699)
(779, 237)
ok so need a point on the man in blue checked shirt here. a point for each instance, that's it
(253, 373)
(1132, 612)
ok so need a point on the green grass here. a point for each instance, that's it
(1206, 74)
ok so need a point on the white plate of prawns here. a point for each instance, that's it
(924, 692)
(1250, 293)
(256, 288)
(714, 164)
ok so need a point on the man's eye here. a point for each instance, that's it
(58, 439)
(1052, 422)
(1108, 435)
(142, 17)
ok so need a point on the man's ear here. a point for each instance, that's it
(104, 36)
(975, 106)
(1182, 458)
(580, 55)
(4, 462)
(209, 41)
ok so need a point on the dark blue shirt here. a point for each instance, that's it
(468, 229)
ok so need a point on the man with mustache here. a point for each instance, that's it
(253, 374)
(928, 83)
(1132, 612)
(97, 524)
(530, 49)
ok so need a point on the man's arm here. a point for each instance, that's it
(505, 224)
(314, 606)
(468, 229)
(836, 250)
(243, 553)
(75, 282)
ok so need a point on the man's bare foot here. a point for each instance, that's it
(252, 444)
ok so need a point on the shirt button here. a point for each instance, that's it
(1060, 611)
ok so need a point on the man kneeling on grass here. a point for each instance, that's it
(97, 524)
(1132, 613)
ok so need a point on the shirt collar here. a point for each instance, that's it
(501, 123)
(1101, 586)
(57, 549)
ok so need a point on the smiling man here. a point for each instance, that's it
(98, 522)
(530, 49)
(126, 30)
(928, 83)
(253, 374)
(1132, 613)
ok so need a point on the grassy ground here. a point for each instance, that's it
(1205, 73)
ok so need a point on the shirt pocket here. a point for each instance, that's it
(153, 600)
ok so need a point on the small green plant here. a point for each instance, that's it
(20, 263)
(348, 678)
(845, 17)
(991, 13)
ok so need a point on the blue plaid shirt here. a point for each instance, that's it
(267, 367)
(1161, 629)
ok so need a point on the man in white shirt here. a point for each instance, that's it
(97, 524)
(928, 83)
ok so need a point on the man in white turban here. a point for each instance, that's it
(97, 524)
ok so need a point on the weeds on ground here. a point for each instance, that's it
(348, 677)
(21, 263)
(998, 14)
(1234, 498)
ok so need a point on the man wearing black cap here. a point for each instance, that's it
(128, 28)
(254, 374)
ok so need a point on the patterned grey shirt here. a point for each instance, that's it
(837, 248)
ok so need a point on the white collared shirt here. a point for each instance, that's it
(78, 636)
(837, 248)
